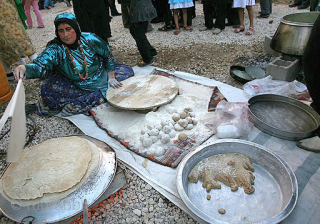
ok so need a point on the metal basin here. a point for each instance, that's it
(293, 33)
(283, 117)
(276, 187)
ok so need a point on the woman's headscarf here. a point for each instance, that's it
(71, 20)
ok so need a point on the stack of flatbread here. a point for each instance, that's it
(49, 171)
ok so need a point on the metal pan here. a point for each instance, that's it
(282, 116)
(94, 187)
(239, 73)
(276, 187)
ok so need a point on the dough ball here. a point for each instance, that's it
(192, 114)
(165, 138)
(154, 139)
(154, 132)
(161, 133)
(221, 211)
(182, 136)
(167, 129)
(159, 152)
(183, 123)
(189, 127)
(150, 126)
(172, 134)
(183, 115)
(151, 150)
(144, 130)
(188, 109)
(164, 122)
(194, 121)
(175, 116)
(147, 142)
(171, 110)
(158, 126)
(178, 127)
(189, 119)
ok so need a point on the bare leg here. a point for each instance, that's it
(250, 13)
(241, 13)
(175, 17)
(185, 14)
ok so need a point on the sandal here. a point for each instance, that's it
(240, 29)
(176, 31)
(165, 28)
(187, 28)
(250, 31)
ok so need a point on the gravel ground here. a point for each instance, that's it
(196, 52)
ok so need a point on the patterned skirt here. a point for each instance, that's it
(59, 94)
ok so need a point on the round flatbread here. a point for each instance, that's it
(53, 166)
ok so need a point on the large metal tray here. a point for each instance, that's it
(282, 116)
(276, 187)
(95, 185)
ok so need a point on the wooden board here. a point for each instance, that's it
(143, 92)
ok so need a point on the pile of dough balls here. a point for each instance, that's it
(153, 133)
(184, 120)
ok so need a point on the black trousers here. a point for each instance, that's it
(302, 2)
(138, 32)
(311, 66)
(221, 10)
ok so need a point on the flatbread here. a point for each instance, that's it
(53, 166)
(52, 197)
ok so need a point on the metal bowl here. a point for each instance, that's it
(282, 116)
(239, 73)
(276, 187)
(293, 33)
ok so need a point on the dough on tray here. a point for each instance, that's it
(55, 165)
(232, 169)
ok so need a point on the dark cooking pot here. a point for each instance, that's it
(293, 33)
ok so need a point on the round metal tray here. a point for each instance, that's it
(94, 187)
(143, 92)
(282, 116)
(276, 187)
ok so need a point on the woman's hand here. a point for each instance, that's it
(19, 72)
(114, 83)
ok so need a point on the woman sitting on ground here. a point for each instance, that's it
(78, 68)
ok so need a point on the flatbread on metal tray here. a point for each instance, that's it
(53, 166)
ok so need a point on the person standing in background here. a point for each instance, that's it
(93, 17)
(311, 68)
(241, 4)
(176, 6)
(221, 8)
(15, 43)
(48, 4)
(141, 12)
(266, 8)
(302, 4)
(35, 6)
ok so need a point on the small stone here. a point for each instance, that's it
(208, 197)
(221, 211)
(137, 212)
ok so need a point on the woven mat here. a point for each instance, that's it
(125, 126)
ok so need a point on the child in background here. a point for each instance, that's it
(176, 5)
(34, 4)
(241, 4)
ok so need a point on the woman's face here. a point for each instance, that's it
(66, 33)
